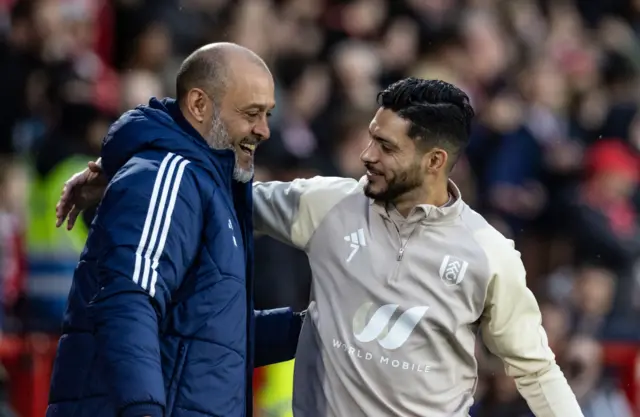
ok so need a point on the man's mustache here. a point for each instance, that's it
(251, 141)
(372, 170)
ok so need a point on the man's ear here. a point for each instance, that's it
(197, 104)
(435, 160)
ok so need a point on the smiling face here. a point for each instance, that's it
(393, 162)
(417, 134)
(240, 121)
(245, 110)
(226, 92)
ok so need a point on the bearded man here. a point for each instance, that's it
(160, 317)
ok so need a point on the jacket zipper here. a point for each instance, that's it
(403, 246)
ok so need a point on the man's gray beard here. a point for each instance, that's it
(219, 139)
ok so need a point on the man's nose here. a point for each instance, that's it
(368, 154)
(261, 129)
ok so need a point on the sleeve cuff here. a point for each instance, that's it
(296, 327)
(142, 410)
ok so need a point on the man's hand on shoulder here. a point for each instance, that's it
(81, 191)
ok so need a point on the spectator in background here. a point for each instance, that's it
(20, 60)
(12, 256)
(12, 262)
(593, 296)
(606, 228)
(597, 393)
(502, 399)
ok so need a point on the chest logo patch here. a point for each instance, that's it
(452, 270)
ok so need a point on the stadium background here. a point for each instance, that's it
(553, 160)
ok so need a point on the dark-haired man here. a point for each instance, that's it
(405, 274)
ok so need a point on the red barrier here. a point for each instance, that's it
(258, 382)
(626, 358)
(28, 362)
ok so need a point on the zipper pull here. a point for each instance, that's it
(400, 253)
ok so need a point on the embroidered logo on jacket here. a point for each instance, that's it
(452, 270)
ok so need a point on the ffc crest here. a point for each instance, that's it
(452, 270)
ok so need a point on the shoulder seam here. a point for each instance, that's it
(487, 257)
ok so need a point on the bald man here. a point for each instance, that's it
(160, 318)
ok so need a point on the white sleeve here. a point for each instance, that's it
(512, 330)
(291, 211)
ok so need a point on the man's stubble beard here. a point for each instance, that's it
(401, 184)
(220, 139)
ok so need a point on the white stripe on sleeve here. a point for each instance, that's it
(165, 186)
(149, 217)
(157, 220)
(165, 228)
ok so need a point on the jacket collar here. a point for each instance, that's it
(223, 160)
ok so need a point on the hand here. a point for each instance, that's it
(301, 314)
(81, 191)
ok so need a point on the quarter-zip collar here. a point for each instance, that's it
(423, 213)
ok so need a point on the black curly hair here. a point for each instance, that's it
(439, 113)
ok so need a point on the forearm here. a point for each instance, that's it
(512, 330)
(277, 334)
(548, 393)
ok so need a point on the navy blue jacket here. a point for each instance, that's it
(160, 318)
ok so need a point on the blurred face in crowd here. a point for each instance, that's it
(13, 183)
(153, 47)
(584, 360)
(556, 324)
(548, 85)
(364, 17)
(240, 120)
(594, 290)
(614, 186)
(392, 159)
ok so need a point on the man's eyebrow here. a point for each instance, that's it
(260, 106)
(380, 139)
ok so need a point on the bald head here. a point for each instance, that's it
(210, 68)
(226, 92)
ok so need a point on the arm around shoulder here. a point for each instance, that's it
(512, 330)
(291, 211)
(277, 334)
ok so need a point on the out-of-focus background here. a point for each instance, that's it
(553, 161)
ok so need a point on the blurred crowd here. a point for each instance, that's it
(554, 159)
